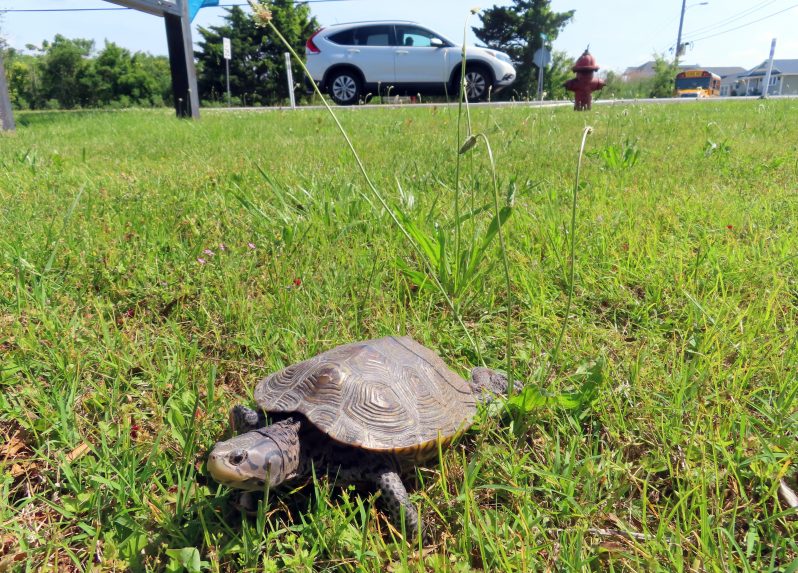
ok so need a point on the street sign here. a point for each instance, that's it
(542, 57)
(227, 56)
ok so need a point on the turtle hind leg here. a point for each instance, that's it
(244, 419)
(395, 500)
(486, 384)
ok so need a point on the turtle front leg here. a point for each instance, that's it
(395, 499)
(486, 384)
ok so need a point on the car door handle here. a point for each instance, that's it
(353, 51)
(402, 51)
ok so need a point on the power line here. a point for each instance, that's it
(720, 24)
(744, 25)
(730, 19)
(6, 10)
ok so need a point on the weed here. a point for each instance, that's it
(716, 149)
(619, 157)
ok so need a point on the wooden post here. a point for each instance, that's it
(181, 49)
(181, 60)
(6, 113)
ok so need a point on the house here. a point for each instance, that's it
(783, 79)
(730, 85)
(647, 70)
(724, 71)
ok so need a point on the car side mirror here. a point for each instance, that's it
(436, 42)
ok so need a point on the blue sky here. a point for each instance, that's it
(621, 33)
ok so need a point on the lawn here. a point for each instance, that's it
(152, 270)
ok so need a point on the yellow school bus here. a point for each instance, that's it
(697, 83)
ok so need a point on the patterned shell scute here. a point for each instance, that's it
(387, 394)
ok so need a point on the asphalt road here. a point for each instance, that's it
(404, 103)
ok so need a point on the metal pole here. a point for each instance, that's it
(227, 74)
(227, 53)
(290, 76)
(6, 114)
(540, 67)
(679, 36)
(770, 69)
(540, 83)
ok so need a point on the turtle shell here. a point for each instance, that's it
(389, 395)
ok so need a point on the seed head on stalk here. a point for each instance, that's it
(261, 13)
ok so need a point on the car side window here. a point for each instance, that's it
(372, 36)
(345, 38)
(414, 36)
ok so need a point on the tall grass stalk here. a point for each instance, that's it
(462, 99)
(571, 266)
(263, 16)
(505, 263)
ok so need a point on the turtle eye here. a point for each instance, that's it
(237, 457)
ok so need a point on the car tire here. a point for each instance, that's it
(478, 83)
(345, 87)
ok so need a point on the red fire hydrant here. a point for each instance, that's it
(584, 84)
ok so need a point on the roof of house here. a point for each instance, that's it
(648, 68)
(724, 71)
(731, 78)
(784, 67)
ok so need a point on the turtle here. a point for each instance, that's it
(367, 412)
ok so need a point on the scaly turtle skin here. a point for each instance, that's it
(364, 413)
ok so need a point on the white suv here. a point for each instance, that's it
(390, 57)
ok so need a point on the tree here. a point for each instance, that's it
(664, 77)
(150, 80)
(558, 72)
(519, 30)
(110, 65)
(65, 67)
(122, 78)
(257, 68)
(617, 87)
(63, 73)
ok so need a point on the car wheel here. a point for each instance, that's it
(478, 83)
(345, 88)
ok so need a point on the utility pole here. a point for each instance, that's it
(681, 23)
(679, 36)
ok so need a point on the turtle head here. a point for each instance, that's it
(255, 459)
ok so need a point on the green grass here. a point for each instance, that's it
(669, 412)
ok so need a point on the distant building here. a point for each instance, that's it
(647, 70)
(724, 71)
(783, 79)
